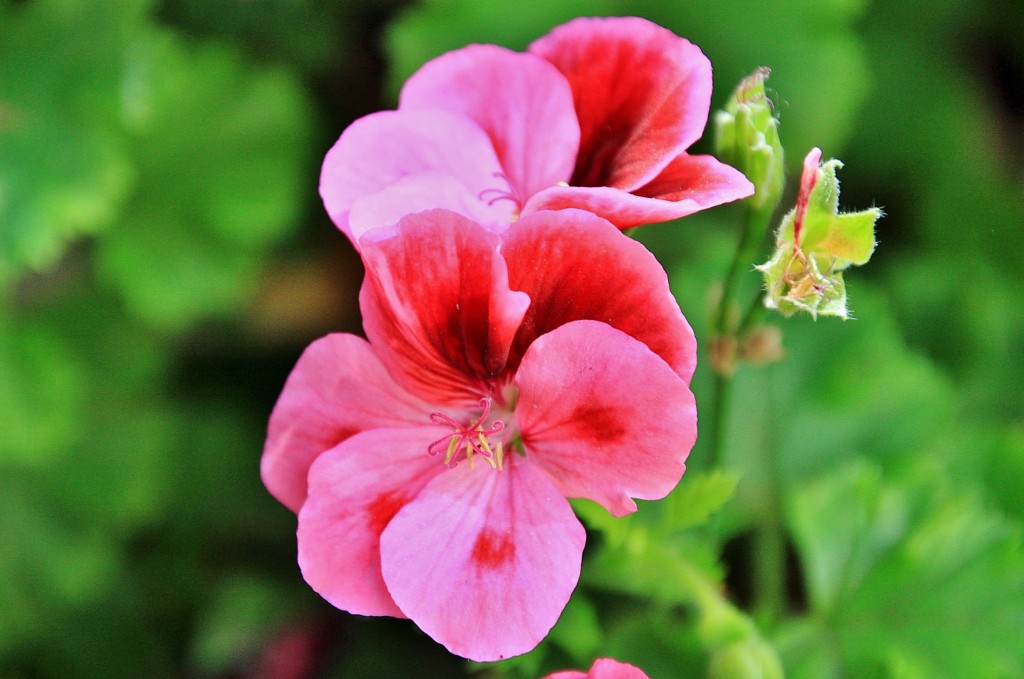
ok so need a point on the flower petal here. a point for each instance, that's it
(605, 417)
(420, 192)
(522, 103)
(484, 561)
(642, 96)
(437, 306)
(337, 388)
(575, 266)
(381, 148)
(689, 184)
(603, 668)
(354, 491)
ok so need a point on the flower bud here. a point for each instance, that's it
(815, 244)
(747, 137)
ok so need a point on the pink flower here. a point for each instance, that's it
(603, 668)
(429, 466)
(597, 115)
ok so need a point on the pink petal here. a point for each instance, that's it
(575, 266)
(522, 102)
(642, 96)
(484, 561)
(605, 417)
(421, 192)
(603, 668)
(437, 305)
(354, 491)
(382, 148)
(689, 184)
(337, 388)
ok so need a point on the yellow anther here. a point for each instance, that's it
(453, 447)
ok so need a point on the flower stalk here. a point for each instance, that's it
(746, 137)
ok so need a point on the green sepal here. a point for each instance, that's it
(805, 273)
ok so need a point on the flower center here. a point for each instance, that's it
(469, 441)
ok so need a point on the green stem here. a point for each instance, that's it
(755, 312)
(746, 250)
(750, 239)
(769, 559)
(769, 562)
(769, 536)
(721, 397)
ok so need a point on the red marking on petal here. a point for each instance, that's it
(383, 509)
(492, 550)
(601, 424)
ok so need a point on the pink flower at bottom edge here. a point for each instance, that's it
(603, 668)
(430, 466)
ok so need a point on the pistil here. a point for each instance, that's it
(494, 195)
(469, 440)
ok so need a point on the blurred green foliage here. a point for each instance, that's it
(158, 168)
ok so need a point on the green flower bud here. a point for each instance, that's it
(747, 137)
(815, 244)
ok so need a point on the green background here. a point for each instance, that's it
(164, 259)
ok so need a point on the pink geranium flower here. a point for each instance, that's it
(603, 668)
(598, 115)
(430, 465)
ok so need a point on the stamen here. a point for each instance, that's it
(470, 440)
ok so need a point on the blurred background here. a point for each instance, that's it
(164, 259)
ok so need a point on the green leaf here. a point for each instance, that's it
(853, 390)
(1005, 469)
(844, 527)
(239, 172)
(698, 496)
(242, 612)
(42, 393)
(662, 643)
(49, 561)
(300, 31)
(221, 148)
(910, 576)
(122, 464)
(577, 630)
(171, 273)
(64, 171)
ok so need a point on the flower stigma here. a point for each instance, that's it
(469, 441)
(494, 195)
